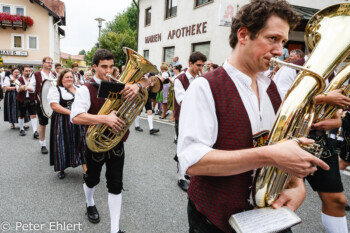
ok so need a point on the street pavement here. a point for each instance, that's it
(33, 199)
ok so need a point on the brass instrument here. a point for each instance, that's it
(101, 138)
(328, 34)
(326, 111)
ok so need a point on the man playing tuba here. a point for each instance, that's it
(84, 110)
(238, 101)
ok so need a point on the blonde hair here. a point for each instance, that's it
(164, 66)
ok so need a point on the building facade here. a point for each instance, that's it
(169, 28)
(23, 43)
(65, 57)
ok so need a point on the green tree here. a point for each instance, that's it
(115, 42)
(69, 62)
(123, 22)
(89, 55)
(82, 52)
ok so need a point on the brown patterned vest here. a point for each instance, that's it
(220, 197)
(185, 83)
(38, 82)
(21, 96)
(97, 103)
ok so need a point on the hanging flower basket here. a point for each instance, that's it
(14, 21)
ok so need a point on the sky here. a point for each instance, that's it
(81, 28)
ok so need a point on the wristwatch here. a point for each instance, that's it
(140, 86)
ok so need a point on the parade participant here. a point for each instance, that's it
(177, 71)
(166, 80)
(26, 103)
(2, 76)
(78, 78)
(176, 61)
(208, 65)
(84, 110)
(57, 70)
(35, 87)
(88, 75)
(115, 72)
(10, 105)
(217, 150)
(181, 84)
(66, 144)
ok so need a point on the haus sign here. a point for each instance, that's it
(13, 53)
(191, 30)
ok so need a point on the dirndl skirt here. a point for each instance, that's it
(66, 143)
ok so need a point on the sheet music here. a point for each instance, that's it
(264, 220)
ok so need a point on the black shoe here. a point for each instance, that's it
(61, 175)
(121, 231)
(138, 128)
(183, 185)
(347, 207)
(36, 135)
(26, 127)
(187, 177)
(92, 214)
(22, 133)
(44, 150)
(175, 141)
(153, 131)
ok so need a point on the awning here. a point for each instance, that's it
(306, 13)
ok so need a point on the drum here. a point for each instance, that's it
(156, 85)
(44, 103)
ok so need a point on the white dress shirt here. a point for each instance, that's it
(82, 100)
(165, 75)
(7, 82)
(54, 96)
(32, 82)
(284, 79)
(25, 83)
(179, 89)
(2, 76)
(198, 121)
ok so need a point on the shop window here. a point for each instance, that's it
(203, 47)
(148, 16)
(171, 8)
(32, 42)
(17, 41)
(202, 2)
(146, 54)
(168, 54)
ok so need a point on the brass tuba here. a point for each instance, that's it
(328, 34)
(101, 138)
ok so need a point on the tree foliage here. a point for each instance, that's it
(120, 32)
(69, 62)
(82, 52)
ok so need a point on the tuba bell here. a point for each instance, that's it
(101, 138)
(328, 34)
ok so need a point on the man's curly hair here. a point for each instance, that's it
(254, 15)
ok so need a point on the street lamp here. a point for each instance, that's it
(99, 20)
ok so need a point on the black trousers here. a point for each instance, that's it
(26, 105)
(177, 128)
(198, 223)
(43, 120)
(114, 160)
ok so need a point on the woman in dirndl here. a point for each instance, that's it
(10, 104)
(66, 139)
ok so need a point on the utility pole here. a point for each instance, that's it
(99, 20)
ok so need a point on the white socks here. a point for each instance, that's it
(34, 122)
(42, 143)
(89, 195)
(115, 205)
(137, 121)
(150, 121)
(341, 172)
(334, 224)
(21, 123)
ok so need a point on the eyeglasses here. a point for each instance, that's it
(50, 63)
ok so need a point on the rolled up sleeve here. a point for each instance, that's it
(81, 102)
(198, 126)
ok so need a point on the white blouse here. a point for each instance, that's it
(7, 82)
(54, 96)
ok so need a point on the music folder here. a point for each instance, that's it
(110, 90)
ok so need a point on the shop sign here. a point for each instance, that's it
(226, 12)
(194, 29)
(153, 38)
(13, 53)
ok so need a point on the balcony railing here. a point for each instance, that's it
(15, 21)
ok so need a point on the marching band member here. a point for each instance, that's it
(78, 78)
(166, 80)
(35, 87)
(66, 144)
(10, 105)
(26, 103)
(182, 82)
(57, 70)
(84, 112)
(224, 109)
